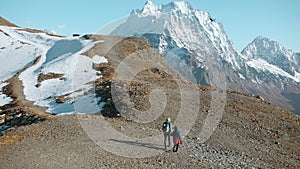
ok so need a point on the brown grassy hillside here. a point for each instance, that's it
(4, 22)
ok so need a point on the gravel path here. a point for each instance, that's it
(256, 135)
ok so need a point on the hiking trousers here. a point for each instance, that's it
(175, 147)
(167, 137)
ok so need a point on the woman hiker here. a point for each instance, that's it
(176, 138)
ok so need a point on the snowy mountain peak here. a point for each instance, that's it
(262, 47)
(261, 38)
(182, 6)
(267, 43)
(151, 8)
(177, 9)
(273, 53)
(149, 3)
(176, 26)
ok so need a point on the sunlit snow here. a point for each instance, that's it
(263, 65)
(19, 49)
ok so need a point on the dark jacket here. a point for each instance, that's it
(176, 133)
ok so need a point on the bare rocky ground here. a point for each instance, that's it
(251, 133)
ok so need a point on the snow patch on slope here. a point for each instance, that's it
(3, 98)
(99, 59)
(18, 50)
(15, 53)
(86, 104)
(66, 59)
(263, 65)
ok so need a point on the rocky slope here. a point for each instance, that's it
(250, 134)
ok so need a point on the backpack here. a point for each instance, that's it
(166, 127)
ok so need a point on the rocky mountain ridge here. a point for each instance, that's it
(198, 47)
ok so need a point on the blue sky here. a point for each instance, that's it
(243, 20)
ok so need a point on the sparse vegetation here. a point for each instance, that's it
(48, 76)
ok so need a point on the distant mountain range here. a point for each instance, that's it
(198, 47)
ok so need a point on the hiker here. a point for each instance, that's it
(166, 128)
(176, 138)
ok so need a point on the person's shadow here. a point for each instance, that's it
(135, 143)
